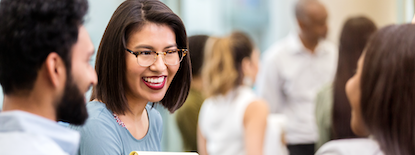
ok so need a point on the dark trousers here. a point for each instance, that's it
(301, 149)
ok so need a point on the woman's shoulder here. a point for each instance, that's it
(355, 146)
(247, 97)
(258, 103)
(97, 109)
(99, 113)
(98, 116)
(256, 110)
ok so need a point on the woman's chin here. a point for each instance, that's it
(153, 95)
(155, 98)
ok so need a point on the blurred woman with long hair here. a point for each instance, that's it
(232, 119)
(332, 105)
(382, 97)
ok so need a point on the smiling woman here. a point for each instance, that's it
(141, 59)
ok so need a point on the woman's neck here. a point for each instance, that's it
(136, 119)
(136, 106)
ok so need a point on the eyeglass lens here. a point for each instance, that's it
(171, 57)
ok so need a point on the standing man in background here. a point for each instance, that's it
(44, 73)
(294, 70)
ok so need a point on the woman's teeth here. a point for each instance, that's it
(154, 80)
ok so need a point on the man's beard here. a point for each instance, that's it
(72, 108)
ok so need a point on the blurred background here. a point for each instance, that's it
(266, 21)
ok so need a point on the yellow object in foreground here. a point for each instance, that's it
(162, 153)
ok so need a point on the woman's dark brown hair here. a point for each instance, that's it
(388, 89)
(354, 36)
(110, 64)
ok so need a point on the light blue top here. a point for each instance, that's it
(26, 133)
(103, 135)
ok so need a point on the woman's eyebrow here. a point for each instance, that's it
(143, 46)
(152, 48)
(170, 46)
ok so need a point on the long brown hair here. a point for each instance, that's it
(222, 70)
(388, 89)
(354, 36)
(110, 63)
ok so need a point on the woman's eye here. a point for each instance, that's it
(145, 53)
(171, 51)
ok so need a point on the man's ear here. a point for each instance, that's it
(301, 24)
(55, 69)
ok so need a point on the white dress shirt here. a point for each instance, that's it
(289, 79)
(25, 133)
(355, 146)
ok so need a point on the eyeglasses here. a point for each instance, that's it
(170, 57)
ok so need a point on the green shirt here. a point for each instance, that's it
(324, 106)
(187, 117)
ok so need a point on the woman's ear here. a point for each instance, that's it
(246, 66)
(56, 70)
(247, 69)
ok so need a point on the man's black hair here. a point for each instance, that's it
(29, 31)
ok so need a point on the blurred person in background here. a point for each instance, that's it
(332, 105)
(188, 114)
(44, 72)
(232, 119)
(294, 70)
(382, 97)
(141, 59)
